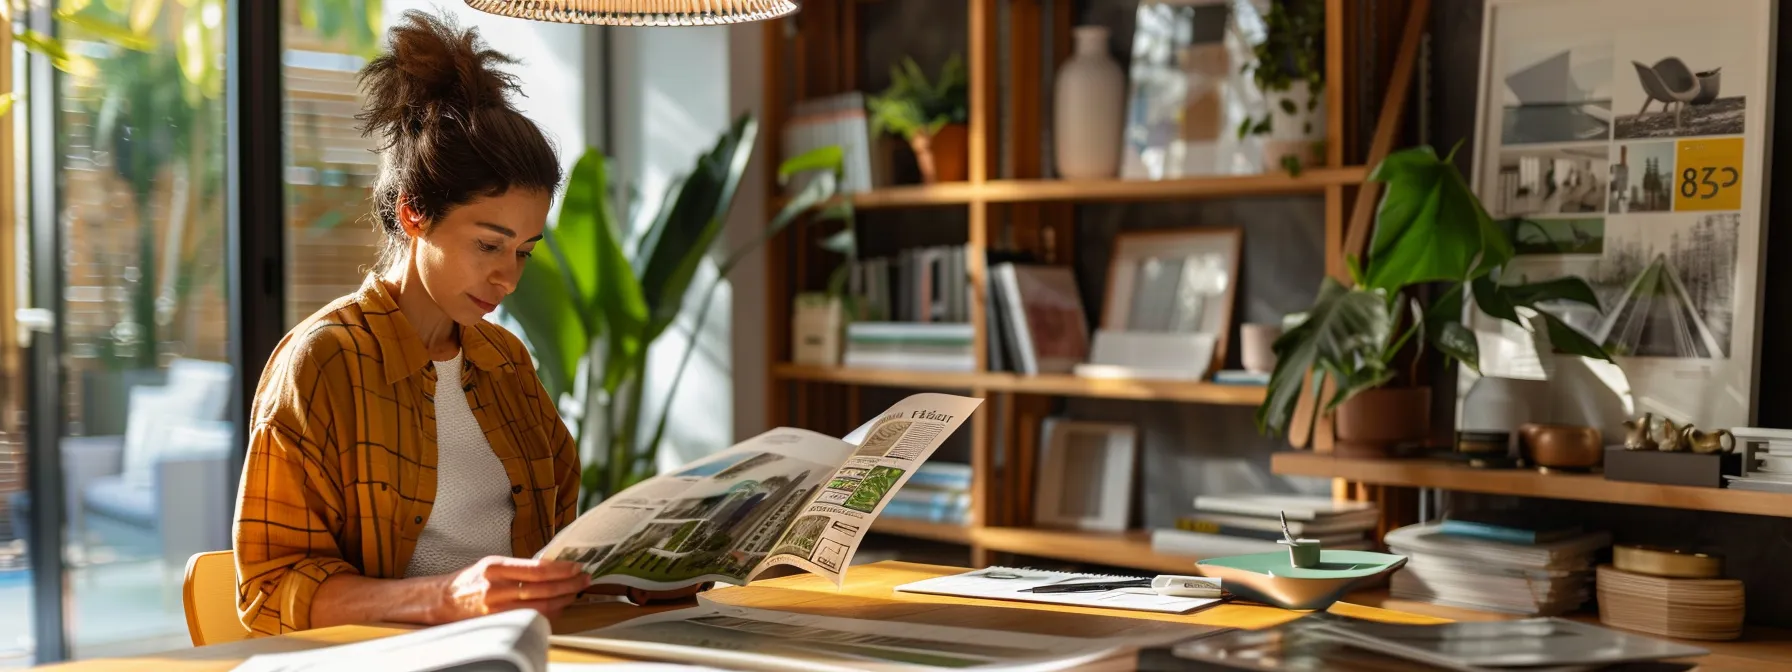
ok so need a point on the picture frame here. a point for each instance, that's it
(1085, 475)
(1175, 281)
(1590, 115)
(1188, 90)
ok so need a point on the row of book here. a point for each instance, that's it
(921, 285)
(938, 492)
(1497, 562)
(1223, 525)
(834, 121)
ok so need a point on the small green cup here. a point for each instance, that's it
(1302, 553)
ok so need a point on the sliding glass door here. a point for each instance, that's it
(130, 405)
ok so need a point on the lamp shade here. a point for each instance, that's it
(639, 12)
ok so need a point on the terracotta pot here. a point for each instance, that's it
(1376, 422)
(945, 155)
(1562, 446)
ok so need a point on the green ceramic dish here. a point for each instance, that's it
(1272, 579)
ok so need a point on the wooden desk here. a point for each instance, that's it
(867, 594)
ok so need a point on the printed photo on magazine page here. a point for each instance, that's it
(786, 497)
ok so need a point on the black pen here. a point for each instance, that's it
(1089, 587)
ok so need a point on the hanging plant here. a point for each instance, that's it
(1292, 50)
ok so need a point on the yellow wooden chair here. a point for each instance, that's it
(209, 596)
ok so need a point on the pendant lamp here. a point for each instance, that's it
(639, 12)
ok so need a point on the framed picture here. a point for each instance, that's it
(1085, 475)
(1622, 141)
(1178, 281)
(1188, 90)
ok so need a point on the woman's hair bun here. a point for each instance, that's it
(432, 70)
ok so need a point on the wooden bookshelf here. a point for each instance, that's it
(917, 380)
(1419, 473)
(920, 529)
(1009, 202)
(1312, 181)
(1118, 549)
(1049, 384)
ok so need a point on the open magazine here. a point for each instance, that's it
(743, 638)
(786, 498)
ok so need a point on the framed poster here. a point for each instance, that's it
(1622, 141)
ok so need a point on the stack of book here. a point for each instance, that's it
(910, 346)
(1496, 565)
(939, 492)
(1766, 459)
(1241, 524)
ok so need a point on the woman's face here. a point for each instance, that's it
(473, 256)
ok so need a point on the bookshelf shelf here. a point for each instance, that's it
(1049, 384)
(1119, 549)
(1418, 473)
(1124, 388)
(1049, 190)
(920, 529)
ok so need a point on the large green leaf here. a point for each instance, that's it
(1345, 332)
(583, 212)
(673, 249)
(107, 31)
(623, 306)
(1430, 227)
(828, 158)
(551, 321)
(1567, 339)
(1560, 289)
(1444, 326)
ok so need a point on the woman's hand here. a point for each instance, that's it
(498, 583)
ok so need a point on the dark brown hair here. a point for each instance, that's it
(448, 131)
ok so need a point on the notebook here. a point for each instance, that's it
(1006, 583)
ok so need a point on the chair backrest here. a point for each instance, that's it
(210, 599)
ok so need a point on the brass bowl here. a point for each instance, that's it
(1562, 446)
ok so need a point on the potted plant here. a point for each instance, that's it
(1365, 340)
(1289, 69)
(932, 117)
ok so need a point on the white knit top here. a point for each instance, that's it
(473, 510)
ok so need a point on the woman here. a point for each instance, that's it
(404, 460)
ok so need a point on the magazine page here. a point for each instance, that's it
(714, 519)
(762, 639)
(826, 532)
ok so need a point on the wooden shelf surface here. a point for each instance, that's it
(920, 529)
(1313, 180)
(1048, 384)
(1119, 549)
(1421, 473)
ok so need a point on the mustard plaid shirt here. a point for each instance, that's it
(341, 471)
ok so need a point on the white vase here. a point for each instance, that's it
(1297, 133)
(1088, 102)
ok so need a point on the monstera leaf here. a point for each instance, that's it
(1345, 335)
(1430, 227)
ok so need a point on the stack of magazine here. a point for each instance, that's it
(1541, 578)
(1326, 641)
(1243, 524)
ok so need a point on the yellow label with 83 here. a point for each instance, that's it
(1708, 174)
